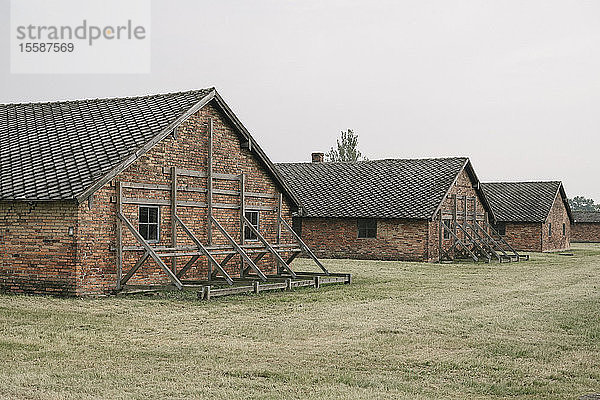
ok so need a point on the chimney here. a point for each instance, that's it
(318, 157)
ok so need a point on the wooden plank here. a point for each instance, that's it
(173, 213)
(188, 265)
(202, 174)
(241, 251)
(303, 245)
(255, 207)
(202, 249)
(133, 270)
(242, 215)
(261, 195)
(119, 192)
(269, 247)
(145, 186)
(209, 198)
(149, 249)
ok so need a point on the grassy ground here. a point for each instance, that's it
(402, 330)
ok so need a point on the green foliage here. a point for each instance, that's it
(580, 203)
(346, 149)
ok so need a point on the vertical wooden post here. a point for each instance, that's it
(209, 180)
(242, 214)
(440, 236)
(173, 214)
(280, 202)
(119, 235)
(455, 219)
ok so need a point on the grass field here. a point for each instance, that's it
(402, 330)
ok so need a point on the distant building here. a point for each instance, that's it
(532, 216)
(585, 226)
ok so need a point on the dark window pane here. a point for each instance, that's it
(143, 214)
(144, 231)
(152, 232)
(367, 228)
(153, 214)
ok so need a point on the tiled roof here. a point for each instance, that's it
(522, 201)
(55, 151)
(372, 189)
(586, 216)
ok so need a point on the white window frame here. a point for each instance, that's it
(257, 226)
(148, 223)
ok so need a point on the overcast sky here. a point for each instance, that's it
(514, 85)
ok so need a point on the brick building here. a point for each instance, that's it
(532, 216)
(391, 209)
(98, 194)
(586, 227)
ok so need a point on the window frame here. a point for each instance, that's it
(254, 237)
(157, 223)
(549, 229)
(365, 228)
(564, 229)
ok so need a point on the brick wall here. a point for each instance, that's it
(37, 253)
(585, 232)
(97, 231)
(558, 218)
(524, 236)
(397, 239)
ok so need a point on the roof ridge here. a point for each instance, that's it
(505, 182)
(370, 161)
(102, 99)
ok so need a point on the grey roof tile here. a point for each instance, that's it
(54, 151)
(393, 188)
(522, 201)
(586, 216)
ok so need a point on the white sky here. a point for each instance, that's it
(514, 85)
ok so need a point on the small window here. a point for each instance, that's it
(367, 228)
(564, 229)
(252, 217)
(501, 228)
(550, 229)
(148, 223)
(448, 224)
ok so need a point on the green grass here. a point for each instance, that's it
(402, 330)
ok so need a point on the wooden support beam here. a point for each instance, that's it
(188, 265)
(149, 249)
(460, 242)
(119, 191)
(242, 216)
(133, 270)
(201, 247)
(241, 251)
(209, 185)
(464, 228)
(303, 245)
(173, 213)
(269, 247)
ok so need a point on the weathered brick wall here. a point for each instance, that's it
(37, 253)
(585, 232)
(397, 239)
(558, 217)
(97, 233)
(524, 236)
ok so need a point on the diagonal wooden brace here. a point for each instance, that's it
(303, 245)
(269, 247)
(151, 252)
(473, 256)
(211, 259)
(134, 269)
(239, 250)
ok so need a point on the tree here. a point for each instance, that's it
(580, 203)
(347, 148)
